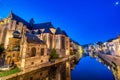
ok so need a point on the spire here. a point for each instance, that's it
(31, 21)
(10, 14)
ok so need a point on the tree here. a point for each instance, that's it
(53, 54)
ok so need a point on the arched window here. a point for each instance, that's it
(57, 42)
(33, 52)
(63, 42)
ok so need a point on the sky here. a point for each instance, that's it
(85, 21)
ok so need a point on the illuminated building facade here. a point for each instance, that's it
(27, 43)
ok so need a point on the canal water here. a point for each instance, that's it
(89, 68)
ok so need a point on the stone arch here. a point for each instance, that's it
(33, 52)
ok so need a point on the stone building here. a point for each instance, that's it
(114, 46)
(28, 43)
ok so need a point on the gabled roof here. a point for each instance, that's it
(47, 30)
(43, 25)
(58, 31)
(17, 18)
(31, 38)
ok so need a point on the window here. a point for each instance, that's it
(40, 73)
(63, 43)
(16, 48)
(50, 41)
(32, 63)
(41, 61)
(66, 44)
(13, 55)
(33, 52)
(42, 51)
(57, 42)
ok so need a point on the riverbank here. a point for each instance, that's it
(57, 61)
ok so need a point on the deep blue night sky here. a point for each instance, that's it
(86, 21)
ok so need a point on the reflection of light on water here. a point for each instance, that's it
(108, 67)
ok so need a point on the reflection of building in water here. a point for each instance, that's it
(59, 71)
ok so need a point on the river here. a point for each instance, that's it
(89, 68)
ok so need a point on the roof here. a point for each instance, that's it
(17, 18)
(110, 40)
(47, 30)
(31, 38)
(64, 33)
(71, 40)
(43, 25)
(58, 31)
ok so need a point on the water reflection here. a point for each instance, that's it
(90, 69)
